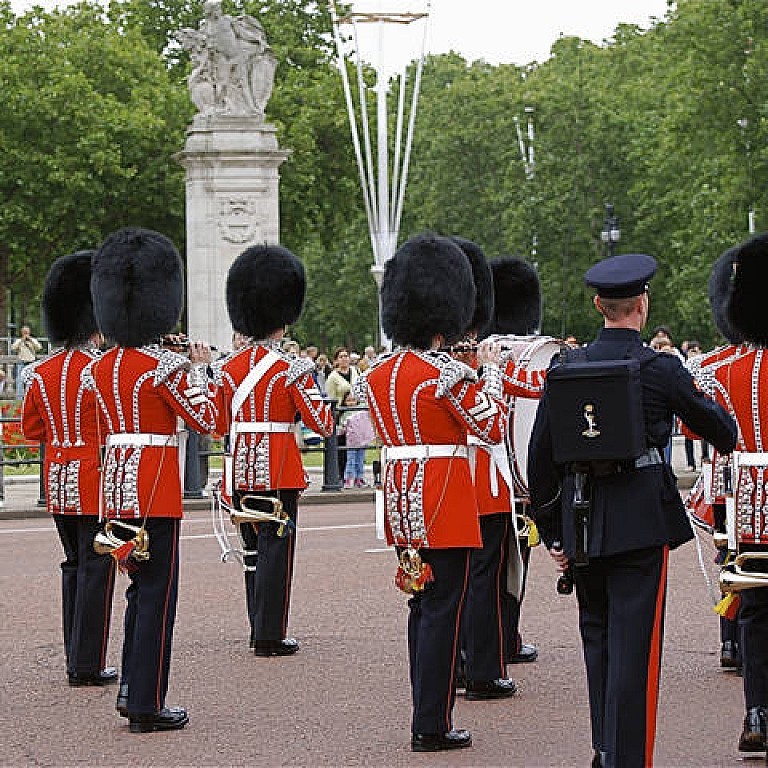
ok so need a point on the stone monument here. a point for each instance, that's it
(231, 159)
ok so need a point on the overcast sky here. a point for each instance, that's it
(517, 31)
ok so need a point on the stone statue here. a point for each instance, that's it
(233, 67)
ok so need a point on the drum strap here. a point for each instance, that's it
(499, 460)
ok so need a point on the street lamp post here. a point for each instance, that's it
(611, 233)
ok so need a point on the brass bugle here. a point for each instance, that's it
(735, 577)
(106, 542)
(249, 514)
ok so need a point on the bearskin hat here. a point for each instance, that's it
(265, 290)
(517, 296)
(481, 273)
(427, 290)
(745, 303)
(67, 305)
(719, 287)
(137, 286)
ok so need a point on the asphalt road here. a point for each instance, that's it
(344, 699)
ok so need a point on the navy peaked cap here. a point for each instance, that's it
(623, 276)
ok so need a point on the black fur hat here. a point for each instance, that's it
(719, 288)
(745, 303)
(265, 290)
(137, 286)
(67, 305)
(517, 294)
(427, 290)
(481, 273)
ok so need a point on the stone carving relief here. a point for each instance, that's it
(233, 67)
(237, 219)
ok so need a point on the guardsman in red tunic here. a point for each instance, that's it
(262, 393)
(424, 405)
(483, 627)
(143, 392)
(61, 414)
(741, 385)
(714, 473)
(517, 312)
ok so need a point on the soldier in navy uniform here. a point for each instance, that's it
(263, 391)
(636, 517)
(61, 413)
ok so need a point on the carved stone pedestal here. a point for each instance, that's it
(232, 203)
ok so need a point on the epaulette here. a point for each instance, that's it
(298, 367)
(167, 363)
(360, 387)
(86, 377)
(217, 369)
(451, 373)
(27, 374)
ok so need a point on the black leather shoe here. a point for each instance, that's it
(286, 647)
(729, 655)
(597, 760)
(495, 689)
(122, 700)
(167, 719)
(437, 742)
(107, 676)
(526, 654)
(752, 738)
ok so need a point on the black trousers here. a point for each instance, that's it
(269, 574)
(621, 615)
(434, 623)
(150, 615)
(87, 586)
(753, 622)
(483, 627)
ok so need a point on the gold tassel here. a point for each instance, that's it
(533, 535)
(728, 607)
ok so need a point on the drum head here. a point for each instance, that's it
(535, 355)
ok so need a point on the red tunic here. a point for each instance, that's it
(270, 460)
(59, 412)
(426, 398)
(142, 392)
(741, 386)
(702, 368)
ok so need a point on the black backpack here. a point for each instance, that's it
(596, 408)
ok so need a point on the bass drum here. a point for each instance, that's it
(532, 353)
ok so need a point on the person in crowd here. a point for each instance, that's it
(635, 517)
(340, 381)
(143, 391)
(359, 435)
(262, 392)
(322, 371)
(26, 348)
(424, 404)
(368, 359)
(60, 413)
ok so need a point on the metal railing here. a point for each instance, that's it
(18, 453)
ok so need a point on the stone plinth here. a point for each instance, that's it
(232, 184)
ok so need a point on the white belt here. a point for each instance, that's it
(262, 426)
(750, 459)
(401, 452)
(142, 439)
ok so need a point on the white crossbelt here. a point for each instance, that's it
(141, 440)
(262, 426)
(403, 452)
(497, 453)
